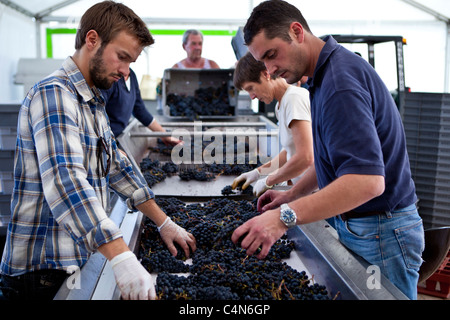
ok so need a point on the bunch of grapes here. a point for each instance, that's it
(227, 190)
(205, 102)
(196, 174)
(153, 172)
(221, 269)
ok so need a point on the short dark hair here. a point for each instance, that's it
(248, 69)
(108, 18)
(274, 17)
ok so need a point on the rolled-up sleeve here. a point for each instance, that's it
(125, 182)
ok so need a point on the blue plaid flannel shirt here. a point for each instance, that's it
(60, 193)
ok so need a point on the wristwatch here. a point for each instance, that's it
(288, 216)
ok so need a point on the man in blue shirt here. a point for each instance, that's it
(361, 164)
(67, 160)
(124, 100)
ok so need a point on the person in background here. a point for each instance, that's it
(66, 162)
(361, 164)
(193, 45)
(124, 100)
(294, 122)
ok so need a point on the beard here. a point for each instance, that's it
(97, 71)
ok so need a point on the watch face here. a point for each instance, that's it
(288, 216)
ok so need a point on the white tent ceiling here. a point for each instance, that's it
(61, 10)
(330, 16)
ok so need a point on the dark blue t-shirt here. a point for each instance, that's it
(357, 128)
(122, 103)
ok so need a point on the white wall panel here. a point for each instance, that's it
(17, 40)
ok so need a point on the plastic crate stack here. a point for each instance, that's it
(426, 119)
(8, 136)
(438, 284)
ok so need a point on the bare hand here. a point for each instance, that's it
(260, 232)
(171, 141)
(272, 199)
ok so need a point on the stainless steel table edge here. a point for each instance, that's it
(96, 278)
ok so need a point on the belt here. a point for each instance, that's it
(353, 214)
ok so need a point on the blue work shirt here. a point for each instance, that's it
(122, 103)
(357, 128)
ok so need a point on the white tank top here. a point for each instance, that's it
(206, 65)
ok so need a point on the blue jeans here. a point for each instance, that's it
(393, 241)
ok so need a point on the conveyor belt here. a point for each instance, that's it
(317, 251)
(317, 248)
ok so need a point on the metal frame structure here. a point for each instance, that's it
(45, 16)
(371, 41)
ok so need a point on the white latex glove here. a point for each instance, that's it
(171, 232)
(261, 187)
(248, 177)
(134, 282)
